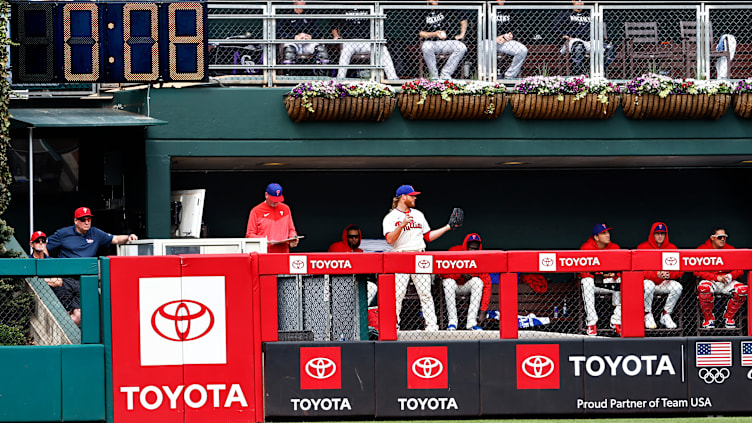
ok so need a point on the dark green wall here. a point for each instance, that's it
(510, 209)
(253, 121)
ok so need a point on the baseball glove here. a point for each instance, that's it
(456, 218)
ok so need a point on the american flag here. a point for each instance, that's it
(746, 353)
(711, 354)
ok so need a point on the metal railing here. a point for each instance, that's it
(252, 42)
(615, 41)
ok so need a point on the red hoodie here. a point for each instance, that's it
(343, 246)
(713, 276)
(485, 277)
(650, 244)
(591, 245)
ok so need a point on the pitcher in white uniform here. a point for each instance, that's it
(406, 229)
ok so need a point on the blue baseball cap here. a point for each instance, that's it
(406, 190)
(601, 227)
(275, 192)
(473, 237)
(660, 228)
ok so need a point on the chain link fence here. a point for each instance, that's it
(502, 42)
(534, 40)
(324, 307)
(237, 42)
(397, 42)
(466, 307)
(729, 40)
(32, 309)
(653, 39)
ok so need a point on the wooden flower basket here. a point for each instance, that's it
(743, 105)
(675, 106)
(460, 107)
(534, 106)
(348, 108)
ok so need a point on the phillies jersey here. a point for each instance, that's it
(411, 237)
(272, 223)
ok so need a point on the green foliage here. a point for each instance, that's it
(5, 176)
(16, 302)
(11, 335)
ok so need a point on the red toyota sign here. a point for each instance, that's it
(538, 366)
(427, 368)
(569, 261)
(691, 260)
(320, 368)
(182, 339)
(442, 262)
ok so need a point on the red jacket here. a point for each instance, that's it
(591, 245)
(343, 246)
(485, 277)
(713, 276)
(272, 223)
(650, 244)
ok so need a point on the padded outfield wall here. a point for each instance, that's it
(194, 337)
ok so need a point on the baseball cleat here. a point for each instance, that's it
(451, 327)
(730, 323)
(667, 321)
(650, 321)
(592, 330)
(708, 324)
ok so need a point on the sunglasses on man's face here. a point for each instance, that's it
(353, 236)
(40, 241)
(84, 219)
(721, 237)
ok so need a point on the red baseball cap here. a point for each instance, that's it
(38, 234)
(82, 212)
(275, 192)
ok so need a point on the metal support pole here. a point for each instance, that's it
(31, 181)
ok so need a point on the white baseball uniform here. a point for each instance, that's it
(411, 239)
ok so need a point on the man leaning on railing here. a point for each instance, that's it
(79, 240)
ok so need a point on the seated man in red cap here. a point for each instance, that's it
(79, 240)
(601, 240)
(720, 282)
(272, 219)
(661, 281)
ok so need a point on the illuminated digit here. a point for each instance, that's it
(130, 41)
(80, 42)
(35, 43)
(188, 43)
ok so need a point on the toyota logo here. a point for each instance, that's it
(537, 366)
(427, 367)
(670, 261)
(424, 264)
(298, 264)
(182, 320)
(548, 262)
(320, 368)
